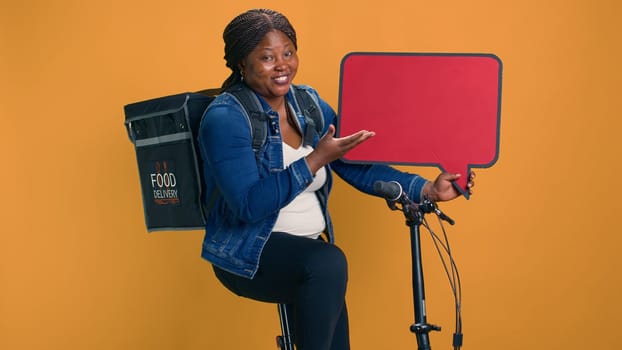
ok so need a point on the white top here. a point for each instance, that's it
(302, 216)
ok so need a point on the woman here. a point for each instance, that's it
(268, 208)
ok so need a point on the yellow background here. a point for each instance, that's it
(537, 245)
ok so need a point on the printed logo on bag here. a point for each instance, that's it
(164, 184)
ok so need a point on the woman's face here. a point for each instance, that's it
(272, 65)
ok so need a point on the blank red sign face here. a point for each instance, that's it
(426, 109)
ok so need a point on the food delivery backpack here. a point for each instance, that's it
(164, 132)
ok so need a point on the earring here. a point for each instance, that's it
(241, 76)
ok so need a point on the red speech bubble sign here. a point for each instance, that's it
(426, 109)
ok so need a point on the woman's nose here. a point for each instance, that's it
(280, 63)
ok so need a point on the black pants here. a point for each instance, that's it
(310, 276)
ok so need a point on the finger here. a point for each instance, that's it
(363, 136)
(354, 136)
(449, 176)
(330, 131)
(354, 139)
(329, 134)
(471, 181)
(350, 144)
(366, 135)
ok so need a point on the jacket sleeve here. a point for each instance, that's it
(230, 167)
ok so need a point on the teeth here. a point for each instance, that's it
(281, 79)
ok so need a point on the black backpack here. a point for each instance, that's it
(164, 133)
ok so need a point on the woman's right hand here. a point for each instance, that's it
(330, 148)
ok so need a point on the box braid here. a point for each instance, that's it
(245, 32)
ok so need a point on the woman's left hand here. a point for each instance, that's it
(442, 189)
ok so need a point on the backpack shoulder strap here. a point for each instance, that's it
(309, 106)
(312, 113)
(255, 113)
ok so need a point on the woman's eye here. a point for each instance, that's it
(267, 58)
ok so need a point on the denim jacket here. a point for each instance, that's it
(246, 190)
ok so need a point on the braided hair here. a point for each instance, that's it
(245, 32)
